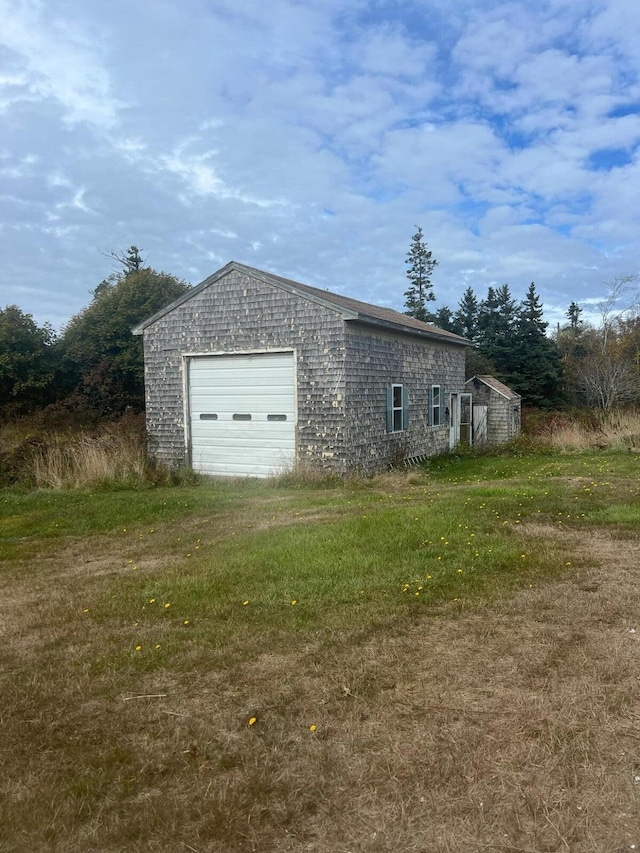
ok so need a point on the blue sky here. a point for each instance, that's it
(310, 138)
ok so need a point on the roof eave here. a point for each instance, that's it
(368, 320)
(513, 396)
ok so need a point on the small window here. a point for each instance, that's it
(242, 417)
(206, 416)
(436, 405)
(276, 417)
(397, 408)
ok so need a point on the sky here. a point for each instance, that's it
(310, 138)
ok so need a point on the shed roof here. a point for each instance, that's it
(496, 385)
(350, 309)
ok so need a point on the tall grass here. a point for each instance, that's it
(618, 430)
(113, 455)
(87, 460)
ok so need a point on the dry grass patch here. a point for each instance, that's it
(618, 430)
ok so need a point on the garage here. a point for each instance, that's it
(242, 414)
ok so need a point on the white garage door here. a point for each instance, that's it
(242, 412)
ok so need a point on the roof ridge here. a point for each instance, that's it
(359, 310)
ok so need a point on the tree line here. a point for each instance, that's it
(94, 368)
(580, 364)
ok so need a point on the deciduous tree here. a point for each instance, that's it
(98, 344)
(27, 364)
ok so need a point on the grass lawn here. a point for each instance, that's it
(443, 659)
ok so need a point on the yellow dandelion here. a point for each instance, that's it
(186, 622)
(459, 571)
(152, 601)
(157, 646)
(244, 603)
(252, 721)
(86, 610)
(138, 648)
(295, 601)
(312, 727)
(167, 604)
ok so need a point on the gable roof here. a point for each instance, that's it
(350, 309)
(496, 385)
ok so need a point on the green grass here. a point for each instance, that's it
(191, 589)
(354, 554)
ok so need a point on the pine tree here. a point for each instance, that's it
(497, 321)
(443, 319)
(573, 314)
(420, 265)
(536, 370)
(466, 317)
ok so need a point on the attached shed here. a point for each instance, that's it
(251, 374)
(496, 410)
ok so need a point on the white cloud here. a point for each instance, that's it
(57, 60)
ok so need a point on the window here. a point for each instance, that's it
(436, 405)
(397, 408)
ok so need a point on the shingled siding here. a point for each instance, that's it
(503, 415)
(242, 314)
(376, 360)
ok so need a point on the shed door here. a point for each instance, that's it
(242, 414)
(480, 411)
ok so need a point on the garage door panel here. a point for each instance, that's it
(227, 438)
(259, 387)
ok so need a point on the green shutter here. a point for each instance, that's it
(390, 409)
(430, 405)
(405, 407)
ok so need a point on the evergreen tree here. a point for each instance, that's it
(535, 371)
(443, 319)
(420, 265)
(497, 321)
(465, 318)
(573, 313)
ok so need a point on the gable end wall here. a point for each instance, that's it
(241, 314)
